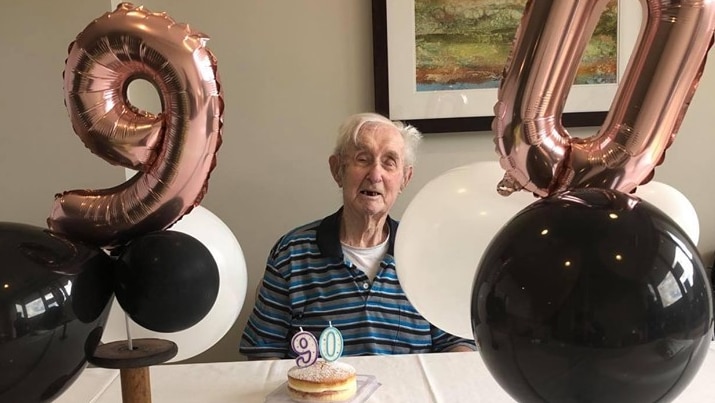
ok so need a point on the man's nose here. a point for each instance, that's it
(375, 173)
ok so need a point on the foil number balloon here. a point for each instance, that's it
(535, 150)
(174, 152)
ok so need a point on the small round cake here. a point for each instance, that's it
(322, 382)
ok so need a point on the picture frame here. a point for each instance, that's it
(393, 24)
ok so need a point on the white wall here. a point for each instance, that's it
(39, 153)
(291, 71)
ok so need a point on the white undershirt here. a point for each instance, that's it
(366, 259)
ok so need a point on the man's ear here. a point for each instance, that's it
(407, 177)
(334, 162)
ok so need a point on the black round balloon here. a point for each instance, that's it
(592, 295)
(54, 302)
(166, 281)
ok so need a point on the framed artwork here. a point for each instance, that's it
(438, 64)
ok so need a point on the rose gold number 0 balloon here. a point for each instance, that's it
(174, 151)
(536, 151)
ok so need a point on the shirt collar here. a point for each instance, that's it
(328, 235)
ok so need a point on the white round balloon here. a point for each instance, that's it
(442, 235)
(673, 203)
(205, 226)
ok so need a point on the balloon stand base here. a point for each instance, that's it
(134, 363)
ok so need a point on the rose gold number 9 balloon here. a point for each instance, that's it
(536, 151)
(174, 151)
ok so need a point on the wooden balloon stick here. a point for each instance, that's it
(133, 359)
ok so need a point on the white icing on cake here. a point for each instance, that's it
(323, 371)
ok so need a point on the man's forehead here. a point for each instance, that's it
(370, 129)
(373, 127)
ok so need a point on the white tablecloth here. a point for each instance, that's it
(447, 377)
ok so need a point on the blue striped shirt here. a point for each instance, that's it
(308, 283)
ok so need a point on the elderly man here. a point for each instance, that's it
(340, 270)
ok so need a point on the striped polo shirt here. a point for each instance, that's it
(308, 284)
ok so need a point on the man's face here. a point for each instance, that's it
(373, 172)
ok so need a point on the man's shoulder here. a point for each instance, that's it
(303, 234)
(308, 230)
(317, 236)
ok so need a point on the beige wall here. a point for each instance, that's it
(291, 71)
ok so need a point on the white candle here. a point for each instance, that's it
(306, 346)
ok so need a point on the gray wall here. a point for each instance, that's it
(291, 71)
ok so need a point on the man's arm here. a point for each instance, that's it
(445, 342)
(459, 348)
(266, 333)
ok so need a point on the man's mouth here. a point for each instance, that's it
(369, 193)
